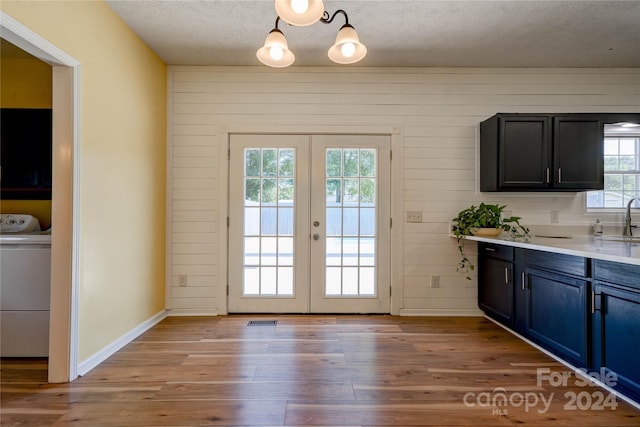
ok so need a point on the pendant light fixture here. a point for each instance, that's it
(347, 49)
(275, 53)
(300, 12)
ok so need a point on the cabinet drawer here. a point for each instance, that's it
(560, 263)
(615, 272)
(495, 251)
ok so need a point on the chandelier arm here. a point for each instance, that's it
(277, 21)
(328, 19)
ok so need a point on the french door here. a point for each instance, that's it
(309, 226)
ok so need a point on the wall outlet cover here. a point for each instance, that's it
(414, 216)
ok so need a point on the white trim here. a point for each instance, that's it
(314, 129)
(397, 217)
(168, 227)
(92, 361)
(446, 312)
(63, 358)
(567, 364)
(31, 42)
(223, 214)
(178, 312)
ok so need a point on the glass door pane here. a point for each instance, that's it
(269, 223)
(350, 203)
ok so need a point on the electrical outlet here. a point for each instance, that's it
(182, 280)
(435, 281)
(414, 216)
(555, 217)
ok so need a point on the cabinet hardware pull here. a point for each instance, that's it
(506, 275)
(593, 302)
(548, 176)
(523, 281)
(489, 249)
(559, 175)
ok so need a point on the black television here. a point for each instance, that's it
(25, 158)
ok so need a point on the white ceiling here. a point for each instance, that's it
(400, 33)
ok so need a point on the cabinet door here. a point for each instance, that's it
(524, 152)
(578, 153)
(556, 314)
(616, 336)
(495, 288)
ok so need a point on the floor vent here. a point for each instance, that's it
(262, 323)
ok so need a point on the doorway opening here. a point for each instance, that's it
(63, 319)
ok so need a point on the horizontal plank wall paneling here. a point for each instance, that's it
(438, 110)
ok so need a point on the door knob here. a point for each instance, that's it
(316, 223)
(316, 236)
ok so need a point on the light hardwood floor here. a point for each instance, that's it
(311, 370)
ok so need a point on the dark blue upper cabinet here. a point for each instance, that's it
(542, 152)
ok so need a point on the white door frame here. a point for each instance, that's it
(394, 131)
(63, 318)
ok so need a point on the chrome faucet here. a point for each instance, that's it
(627, 219)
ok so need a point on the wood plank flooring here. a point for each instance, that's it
(311, 371)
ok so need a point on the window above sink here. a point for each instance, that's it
(621, 169)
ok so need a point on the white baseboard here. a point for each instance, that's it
(188, 312)
(452, 312)
(99, 357)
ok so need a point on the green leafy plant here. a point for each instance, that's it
(483, 216)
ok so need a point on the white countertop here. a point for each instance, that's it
(583, 246)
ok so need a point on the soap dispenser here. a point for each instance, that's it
(597, 228)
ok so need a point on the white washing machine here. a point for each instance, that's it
(25, 283)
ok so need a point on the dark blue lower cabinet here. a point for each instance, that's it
(495, 289)
(556, 314)
(616, 336)
(585, 311)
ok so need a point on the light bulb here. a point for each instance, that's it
(276, 53)
(300, 6)
(348, 49)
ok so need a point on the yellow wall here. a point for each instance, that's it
(122, 172)
(26, 83)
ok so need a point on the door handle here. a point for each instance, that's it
(316, 236)
(559, 175)
(506, 275)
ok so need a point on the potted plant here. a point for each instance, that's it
(484, 220)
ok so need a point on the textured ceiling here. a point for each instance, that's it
(399, 33)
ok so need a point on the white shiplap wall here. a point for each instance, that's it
(438, 111)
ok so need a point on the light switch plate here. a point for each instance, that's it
(435, 281)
